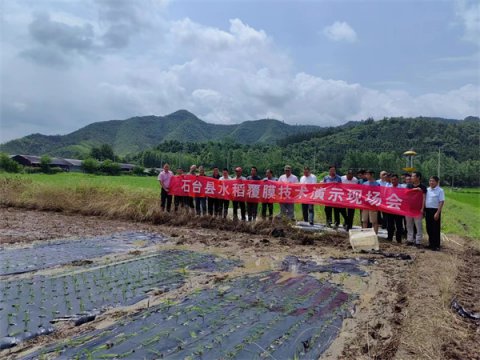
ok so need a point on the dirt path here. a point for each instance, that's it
(403, 311)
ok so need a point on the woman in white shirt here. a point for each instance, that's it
(434, 200)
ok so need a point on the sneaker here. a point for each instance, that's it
(311, 223)
(410, 243)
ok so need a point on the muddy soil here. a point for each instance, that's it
(403, 311)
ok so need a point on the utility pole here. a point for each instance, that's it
(438, 168)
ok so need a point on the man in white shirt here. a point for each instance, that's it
(307, 209)
(224, 204)
(288, 209)
(349, 179)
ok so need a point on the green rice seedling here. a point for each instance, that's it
(10, 318)
(26, 320)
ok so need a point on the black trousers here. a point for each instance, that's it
(252, 210)
(433, 227)
(190, 202)
(201, 206)
(394, 226)
(336, 214)
(179, 201)
(266, 206)
(350, 217)
(223, 207)
(165, 199)
(308, 213)
(236, 205)
(213, 206)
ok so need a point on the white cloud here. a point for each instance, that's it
(340, 31)
(468, 12)
(222, 75)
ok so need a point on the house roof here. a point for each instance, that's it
(36, 160)
(74, 162)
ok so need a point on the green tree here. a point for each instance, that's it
(139, 171)
(104, 152)
(108, 167)
(8, 164)
(45, 161)
(90, 166)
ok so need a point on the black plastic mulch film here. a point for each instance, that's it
(29, 306)
(48, 254)
(252, 317)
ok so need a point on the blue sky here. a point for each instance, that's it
(66, 64)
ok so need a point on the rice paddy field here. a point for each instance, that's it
(90, 268)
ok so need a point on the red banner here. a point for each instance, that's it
(399, 201)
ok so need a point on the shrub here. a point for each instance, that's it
(8, 164)
(90, 166)
(108, 167)
(45, 161)
(153, 172)
(32, 170)
(139, 171)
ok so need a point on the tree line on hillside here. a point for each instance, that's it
(230, 155)
(376, 145)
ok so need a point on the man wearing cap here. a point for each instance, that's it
(241, 204)
(348, 178)
(288, 209)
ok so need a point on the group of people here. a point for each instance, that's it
(397, 226)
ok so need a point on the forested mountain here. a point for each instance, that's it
(140, 133)
(377, 145)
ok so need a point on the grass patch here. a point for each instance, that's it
(461, 214)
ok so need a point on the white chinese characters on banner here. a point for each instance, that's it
(354, 196)
(186, 185)
(318, 194)
(197, 187)
(238, 190)
(253, 191)
(210, 188)
(302, 192)
(398, 201)
(373, 198)
(223, 191)
(336, 195)
(269, 191)
(394, 202)
(285, 192)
